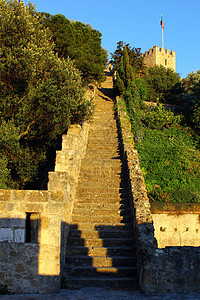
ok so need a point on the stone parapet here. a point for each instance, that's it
(67, 169)
(160, 56)
(144, 230)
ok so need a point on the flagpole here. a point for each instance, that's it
(162, 38)
(162, 25)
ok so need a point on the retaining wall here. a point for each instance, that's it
(171, 269)
(177, 229)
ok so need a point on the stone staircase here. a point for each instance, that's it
(101, 250)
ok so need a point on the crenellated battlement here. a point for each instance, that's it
(160, 56)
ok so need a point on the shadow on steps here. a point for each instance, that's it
(100, 256)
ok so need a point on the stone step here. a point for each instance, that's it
(103, 116)
(101, 227)
(103, 121)
(103, 132)
(115, 184)
(103, 150)
(98, 130)
(106, 198)
(89, 180)
(99, 242)
(106, 194)
(102, 206)
(101, 167)
(101, 190)
(89, 271)
(101, 175)
(98, 154)
(103, 147)
(105, 137)
(100, 251)
(98, 261)
(100, 212)
(103, 219)
(109, 140)
(101, 200)
(101, 233)
(103, 163)
(123, 282)
(99, 119)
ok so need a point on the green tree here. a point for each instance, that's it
(190, 97)
(161, 84)
(81, 43)
(40, 94)
(134, 54)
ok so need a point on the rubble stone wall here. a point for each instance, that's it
(30, 261)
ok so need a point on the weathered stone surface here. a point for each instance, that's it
(6, 235)
(19, 235)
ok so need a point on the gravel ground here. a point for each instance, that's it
(100, 293)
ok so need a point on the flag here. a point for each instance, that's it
(161, 22)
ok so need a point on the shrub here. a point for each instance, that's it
(158, 117)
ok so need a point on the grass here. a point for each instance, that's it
(171, 164)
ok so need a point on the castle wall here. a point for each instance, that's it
(159, 56)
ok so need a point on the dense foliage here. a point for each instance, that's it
(168, 151)
(40, 94)
(134, 54)
(81, 43)
(189, 100)
(162, 84)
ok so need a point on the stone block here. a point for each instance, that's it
(10, 207)
(20, 236)
(34, 207)
(11, 222)
(50, 237)
(44, 222)
(6, 235)
(5, 195)
(49, 267)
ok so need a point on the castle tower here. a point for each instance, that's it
(160, 56)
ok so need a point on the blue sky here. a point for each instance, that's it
(138, 23)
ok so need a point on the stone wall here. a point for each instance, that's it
(177, 229)
(160, 56)
(172, 269)
(34, 224)
(67, 168)
(30, 231)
